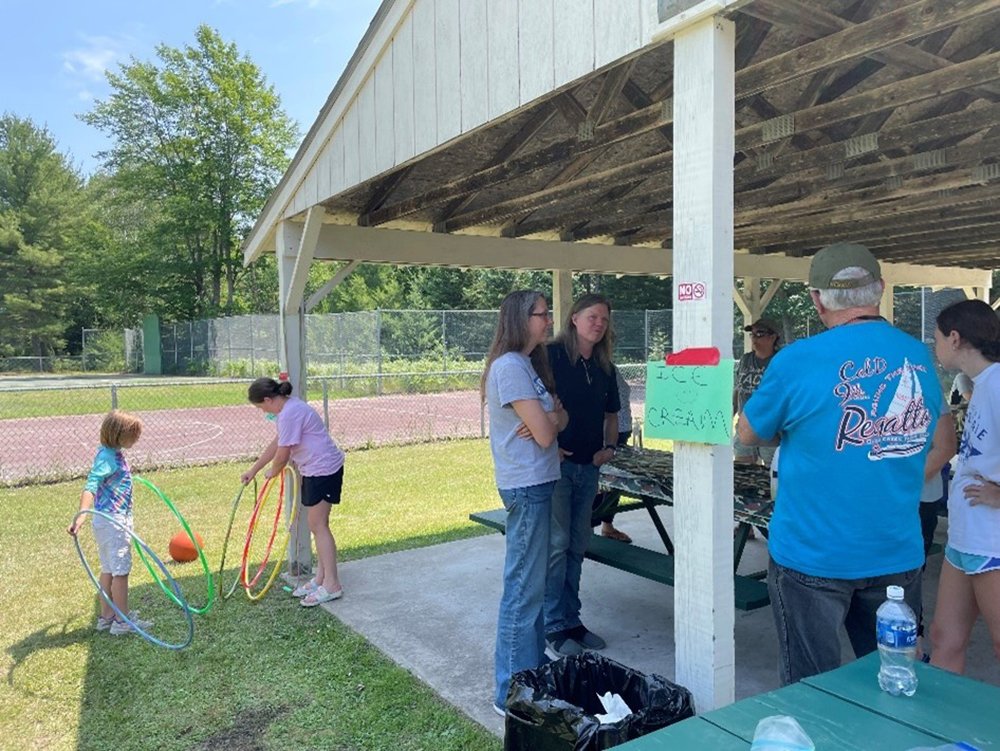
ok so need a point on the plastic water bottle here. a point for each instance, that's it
(897, 644)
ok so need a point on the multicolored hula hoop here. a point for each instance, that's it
(248, 584)
(225, 543)
(140, 545)
(194, 541)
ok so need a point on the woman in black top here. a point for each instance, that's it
(580, 358)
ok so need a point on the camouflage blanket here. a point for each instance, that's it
(650, 473)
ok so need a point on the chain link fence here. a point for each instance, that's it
(378, 378)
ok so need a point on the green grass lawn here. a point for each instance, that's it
(268, 675)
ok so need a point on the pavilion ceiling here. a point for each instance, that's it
(874, 120)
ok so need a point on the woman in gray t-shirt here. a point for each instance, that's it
(517, 389)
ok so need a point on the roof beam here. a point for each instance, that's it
(813, 20)
(620, 129)
(402, 247)
(962, 75)
(514, 145)
(853, 41)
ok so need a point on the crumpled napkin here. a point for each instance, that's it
(615, 708)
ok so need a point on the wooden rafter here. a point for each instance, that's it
(513, 146)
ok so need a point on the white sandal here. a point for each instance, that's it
(320, 595)
(305, 589)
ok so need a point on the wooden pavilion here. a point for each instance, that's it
(708, 140)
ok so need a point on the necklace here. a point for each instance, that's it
(586, 370)
(861, 318)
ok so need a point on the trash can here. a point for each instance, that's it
(552, 708)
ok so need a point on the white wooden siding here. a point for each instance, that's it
(502, 33)
(536, 56)
(424, 79)
(385, 137)
(366, 129)
(473, 51)
(352, 146)
(402, 93)
(446, 67)
(573, 32)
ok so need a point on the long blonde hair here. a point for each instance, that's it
(513, 335)
(603, 349)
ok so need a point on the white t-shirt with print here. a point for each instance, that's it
(976, 529)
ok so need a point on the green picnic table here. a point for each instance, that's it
(845, 709)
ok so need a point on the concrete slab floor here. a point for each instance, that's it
(433, 611)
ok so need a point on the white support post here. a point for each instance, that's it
(292, 299)
(562, 297)
(749, 302)
(977, 293)
(704, 610)
(319, 295)
(291, 353)
(887, 307)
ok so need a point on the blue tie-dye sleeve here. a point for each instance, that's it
(102, 468)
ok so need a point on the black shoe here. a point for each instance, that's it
(561, 645)
(588, 639)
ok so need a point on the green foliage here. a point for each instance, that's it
(199, 139)
(40, 208)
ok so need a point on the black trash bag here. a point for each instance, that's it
(552, 708)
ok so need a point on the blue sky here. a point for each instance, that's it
(53, 55)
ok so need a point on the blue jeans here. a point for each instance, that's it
(572, 503)
(520, 625)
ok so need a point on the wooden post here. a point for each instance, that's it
(291, 356)
(562, 297)
(704, 144)
(749, 303)
(887, 307)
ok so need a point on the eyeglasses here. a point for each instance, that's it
(546, 314)
(761, 334)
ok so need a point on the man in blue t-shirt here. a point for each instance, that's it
(856, 408)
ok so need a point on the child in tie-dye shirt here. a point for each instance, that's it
(109, 490)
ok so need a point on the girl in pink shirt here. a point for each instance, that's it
(303, 439)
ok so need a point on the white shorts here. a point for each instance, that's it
(114, 546)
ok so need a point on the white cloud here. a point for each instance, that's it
(84, 95)
(90, 61)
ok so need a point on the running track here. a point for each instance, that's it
(46, 447)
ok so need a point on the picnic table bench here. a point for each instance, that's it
(845, 709)
(647, 476)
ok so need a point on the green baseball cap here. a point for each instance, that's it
(833, 259)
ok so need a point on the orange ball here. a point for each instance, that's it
(182, 549)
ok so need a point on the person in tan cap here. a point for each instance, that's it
(856, 408)
(749, 370)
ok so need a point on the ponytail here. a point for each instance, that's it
(976, 323)
(268, 388)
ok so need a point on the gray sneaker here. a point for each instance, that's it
(562, 645)
(120, 628)
(588, 639)
(103, 624)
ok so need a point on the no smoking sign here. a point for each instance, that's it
(688, 291)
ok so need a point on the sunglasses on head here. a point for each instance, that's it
(760, 334)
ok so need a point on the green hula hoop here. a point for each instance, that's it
(201, 555)
(225, 544)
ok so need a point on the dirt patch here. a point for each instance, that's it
(246, 733)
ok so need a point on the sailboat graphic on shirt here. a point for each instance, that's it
(904, 425)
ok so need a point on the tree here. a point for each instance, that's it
(201, 136)
(40, 205)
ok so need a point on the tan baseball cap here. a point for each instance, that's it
(833, 259)
(763, 324)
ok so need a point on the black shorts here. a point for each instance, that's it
(323, 488)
